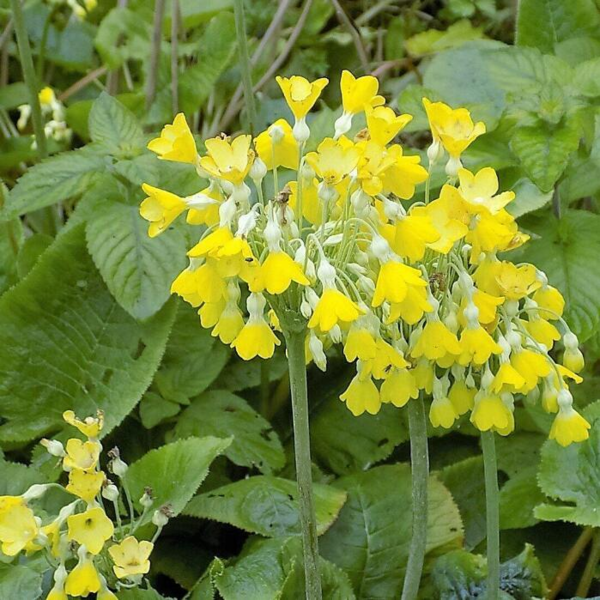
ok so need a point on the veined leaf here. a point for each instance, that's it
(16, 478)
(66, 344)
(266, 505)
(19, 581)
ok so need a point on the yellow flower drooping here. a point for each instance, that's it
(90, 426)
(130, 557)
(161, 208)
(91, 529)
(17, 525)
(277, 147)
(300, 94)
(333, 308)
(362, 395)
(568, 427)
(399, 387)
(85, 484)
(436, 341)
(383, 123)
(83, 580)
(490, 412)
(278, 272)
(393, 282)
(176, 142)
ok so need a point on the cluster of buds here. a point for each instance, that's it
(88, 552)
(53, 111)
(414, 292)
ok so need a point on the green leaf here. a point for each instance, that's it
(174, 471)
(354, 443)
(154, 410)
(432, 40)
(193, 358)
(222, 413)
(19, 581)
(567, 251)
(55, 179)
(139, 594)
(241, 375)
(587, 78)
(16, 478)
(371, 537)
(33, 247)
(570, 475)
(266, 505)
(528, 198)
(13, 95)
(545, 23)
(114, 127)
(11, 244)
(518, 498)
(137, 269)
(66, 344)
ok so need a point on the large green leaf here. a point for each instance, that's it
(371, 537)
(266, 505)
(567, 250)
(16, 478)
(55, 179)
(528, 198)
(66, 344)
(11, 242)
(545, 23)
(137, 270)
(587, 78)
(570, 475)
(222, 413)
(175, 471)
(19, 581)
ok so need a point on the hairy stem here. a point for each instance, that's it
(492, 514)
(419, 460)
(298, 388)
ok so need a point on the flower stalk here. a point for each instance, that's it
(419, 460)
(492, 513)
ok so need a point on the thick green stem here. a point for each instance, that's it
(590, 567)
(29, 77)
(419, 460)
(492, 514)
(246, 68)
(298, 388)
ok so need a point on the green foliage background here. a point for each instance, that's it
(86, 321)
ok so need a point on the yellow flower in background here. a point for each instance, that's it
(312, 210)
(550, 299)
(454, 128)
(479, 190)
(161, 208)
(334, 159)
(228, 323)
(383, 123)
(91, 529)
(531, 366)
(413, 234)
(176, 142)
(491, 413)
(46, 96)
(359, 93)
(333, 308)
(130, 557)
(81, 455)
(277, 146)
(300, 94)
(18, 526)
(227, 160)
(462, 397)
(83, 580)
(515, 282)
(412, 308)
(542, 331)
(568, 427)
(507, 379)
(85, 484)
(362, 395)
(90, 426)
(360, 344)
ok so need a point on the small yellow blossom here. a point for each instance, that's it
(85, 484)
(227, 160)
(399, 387)
(360, 344)
(442, 413)
(462, 397)
(531, 366)
(18, 526)
(255, 339)
(161, 208)
(90, 427)
(278, 272)
(91, 529)
(300, 94)
(383, 123)
(130, 557)
(176, 142)
(549, 298)
(359, 93)
(435, 341)
(81, 455)
(334, 160)
(362, 395)
(277, 146)
(477, 346)
(479, 190)
(333, 308)
(568, 427)
(393, 282)
(404, 174)
(83, 580)
(490, 412)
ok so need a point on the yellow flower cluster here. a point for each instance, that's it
(414, 292)
(81, 530)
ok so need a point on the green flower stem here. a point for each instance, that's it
(159, 9)
(490, 465)
(29, 77)
(419, 459)
(240, 29)
(297, 369)
(590, 567)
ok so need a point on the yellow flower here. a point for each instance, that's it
(531, 366)
(362, 395)
(360, 344)
(83, 580)
(205, 212)
(423, 373)
(278, 272)
(334, 159)
(477, 346)
(435, 341)
(516, 282)
(210, 312)
(485, 303)
(176, 142)
(478, 190)
(568, 427)
(300, 94)
(203, 284)
(490, 412)
(541, 330)
(412, 308)
(490, 233)
(373, 163)
(277, 146)
(81, 455)
(359, 93)
(212, 244)
(449, 217)
(404, 174)
(573, 359)
(454, 128)
(383, 123)
(228, 160)
(442, 412)
(462, 397)
(91, 529)
(90, 427)
(57, 593)
(333, 308)
(393, 282)
(131, 557)
(229, 323)
(85, 484)
(18, 526)
(106, 594)
(399, 387)
(161, 208)
(507, 379)
(386, 357)
(255, 339)
(312, 209)
(413, 234)
(549, 298)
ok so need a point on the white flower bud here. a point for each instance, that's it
(315, 345)
(199, 201)
(246, 223)
(511, 307)
(565, 399)
(276, 133)
(241, 193)
(435, 152)
(301, 131)
(472, 315)
(118, 467)
(364, 284)
(327, 194)
(258, 170)
(487, 379)
(256, 305)
(380, 248)
(326, 273)
(335, 333)
(35, 491)
(334, 240)
(453, 166)
(227, 212)
(147, 500)
(159, 518)
(110, 492)
(306, 309)
(570, 341)
(54, 447)
(342, 124)
(307, 172)
(361, 203)
(273, 235)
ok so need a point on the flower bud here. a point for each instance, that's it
(258, 170)
(307, 172)
(147, 498)
(110, 492)
(453, 166)
(343, 124)
(35, 491)
(301, 131)
(276, 133)
(335, 333)
(435, 152)
(116, 465)
(161, 516)
(315, 345)
(54, 447)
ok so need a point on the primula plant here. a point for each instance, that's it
(325, 274)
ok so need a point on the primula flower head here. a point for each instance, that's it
(91, 529)
(176, 142)
(130, 557)
(300, 94)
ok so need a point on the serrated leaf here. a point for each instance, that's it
(174, 471)
(545, 23)
(432, 40)
(570, 475)
(137, 269)
(518, 498)
(114, 127)
(53, 180)
(11, 243)
(567, 251)
(140, 594)
(19, 581)
(154, 410)
(587, 78)
(266, 506)
(66, 344)
(16, 478)
(193, 358)
(223, 414)
(528, 198)
(371, 537)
